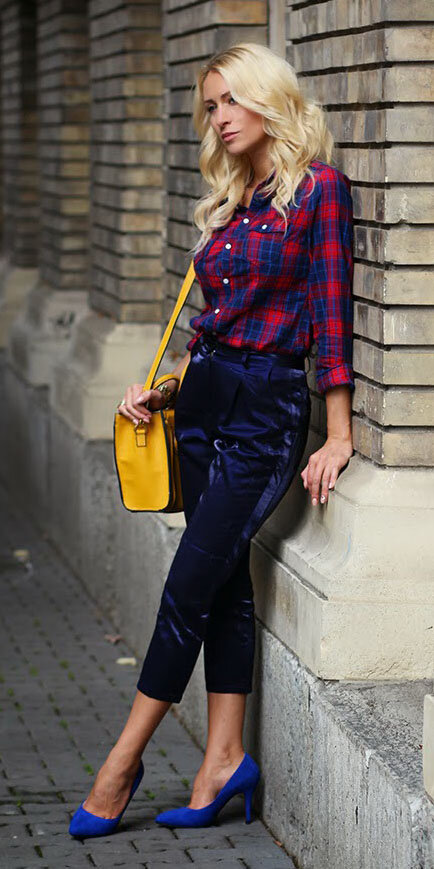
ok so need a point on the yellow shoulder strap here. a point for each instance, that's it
(185, 289)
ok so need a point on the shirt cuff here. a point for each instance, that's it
(339, 375)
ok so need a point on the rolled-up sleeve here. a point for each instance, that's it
(330, 281)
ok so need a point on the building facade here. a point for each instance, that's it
(99, 168)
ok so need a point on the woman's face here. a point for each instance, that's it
(227, 116)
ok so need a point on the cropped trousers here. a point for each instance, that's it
(241, 424)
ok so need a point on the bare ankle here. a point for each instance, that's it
(224, 758)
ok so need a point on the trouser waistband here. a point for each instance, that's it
(242, 353)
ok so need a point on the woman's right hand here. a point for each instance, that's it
(135, 398)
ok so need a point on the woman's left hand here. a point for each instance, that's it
(322, 469)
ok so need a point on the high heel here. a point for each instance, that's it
(243, 780)
(248, 794)
(84, 823)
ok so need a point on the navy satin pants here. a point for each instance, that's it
(241, 423)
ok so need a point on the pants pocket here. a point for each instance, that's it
(290, 395)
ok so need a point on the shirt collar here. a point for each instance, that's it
(258, 199)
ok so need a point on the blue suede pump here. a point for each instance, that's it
(84, 823)
(243, 780)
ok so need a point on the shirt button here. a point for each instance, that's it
(245, 219)
(225, 280)
(216, 310)
(228, 245)
(264, 225)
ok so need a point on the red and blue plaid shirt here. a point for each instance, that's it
(280, 294)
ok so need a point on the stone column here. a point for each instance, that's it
(354, 578)
(192, 35)
(115, 344)
(41, 333)
(19, 169)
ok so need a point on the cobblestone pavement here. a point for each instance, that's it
(64, 700)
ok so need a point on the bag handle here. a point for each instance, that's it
(185, 289)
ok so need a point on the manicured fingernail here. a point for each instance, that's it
(314, 501)
(322, 498)
(330, 485)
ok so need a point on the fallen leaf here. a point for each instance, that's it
(131, 661)
(113, 638)
(21, 554)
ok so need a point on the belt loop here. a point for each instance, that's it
(245, 356)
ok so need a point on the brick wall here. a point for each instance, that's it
(63, 136)
(369, 65)
(127, 70)
(192, 33)
(126, 159)
(19, 124)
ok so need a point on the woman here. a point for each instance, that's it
(275, 264)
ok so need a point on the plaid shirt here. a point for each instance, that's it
(279, 294)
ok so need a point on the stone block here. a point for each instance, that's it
(125, 65)
(16, 284)
(321, 18)
(399, 325)
(123, 18)
(133, 313)
(409, 203)
(103, 357)
(414, 43)
(218, 13)
(182, 76)
(403, 447)
(125, 42)
(410, 164)
(408, 83)
(116, 109)
(128, 131)
(127, 290)
(396, 366)
(413, 245)
(120, 177)
(118, 155)
(410, 246)
(133, 243)
(394, 406)
(397, 164)
(398, 286)
(127, 267)
(108, 90)
(42, 330)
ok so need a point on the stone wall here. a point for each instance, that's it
(126, 237)
(63, 143)
(370, 66)
(19, 132)
(193, 32)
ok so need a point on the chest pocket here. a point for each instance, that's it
(224, 258)
(273, 252)
(265, 245)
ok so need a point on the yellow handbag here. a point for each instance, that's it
(146, 453)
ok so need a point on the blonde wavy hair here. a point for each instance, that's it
(263, 82)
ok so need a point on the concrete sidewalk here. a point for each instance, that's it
(64, 700)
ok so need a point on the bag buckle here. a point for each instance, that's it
(140, 435)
